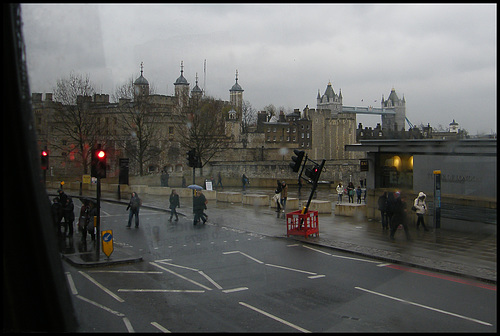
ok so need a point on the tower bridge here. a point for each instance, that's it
(369, 110)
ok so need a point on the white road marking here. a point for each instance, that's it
(160, 327)
(100, 306)
(274, 317)
(291, 269)
(211, 280)
(71, 283)
(113, 295)
(180, 276)
(235, 290)
(161, 290)
(128, 325)
(338, 256)
(126, 272)
(426, 307)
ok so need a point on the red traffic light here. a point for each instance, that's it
(45, 153)
(101, 154)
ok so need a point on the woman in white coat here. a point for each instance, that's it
(421, 208)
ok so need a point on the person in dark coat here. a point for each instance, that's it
(57, 214)
(134, 205)
(199, 205)
(174, 203)
(69, 216)
(399, 216)
(382, 206)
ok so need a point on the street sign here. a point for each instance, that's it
(107, 242)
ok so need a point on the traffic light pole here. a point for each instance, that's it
(97, 228)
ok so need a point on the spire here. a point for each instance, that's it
(236, 86)
(181, 79)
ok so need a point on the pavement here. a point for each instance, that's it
(468, 254)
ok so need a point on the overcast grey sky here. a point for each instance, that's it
(441, 58)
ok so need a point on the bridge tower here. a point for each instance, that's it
(395, 122)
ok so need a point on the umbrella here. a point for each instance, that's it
(195, 187)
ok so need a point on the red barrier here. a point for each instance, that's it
(299, 224)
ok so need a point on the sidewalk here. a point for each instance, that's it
(472, 255)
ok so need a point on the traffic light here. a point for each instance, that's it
(191, 157)
(313, 173)
(297, 160)
(44, 156)
(98, 164)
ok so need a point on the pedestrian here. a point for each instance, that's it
(340, 192)
(84, 216)
(199, 206)
(86, 220)
(174, 203)
(389, 210)
(382, 206)
(164, 178)
(134, 205)
(277, 195)
(284, 194)
(183, 181)
(62, 197)
(244, 181)
(399, 216)
(350, 192)
(358, 194)
(69, 217)
(420, 209)
(219, 181)
(57, 214)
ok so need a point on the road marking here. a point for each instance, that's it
(274, 317)
(113, 295)
(161, 290)
(100, 306)
(126, 272)
(235, 290)
(426, 307)
(244, 254)
(338, 256)
(71, 283)
(160, 327)
(291, 269)
(128, 325)
(180, 276)
(317, 276)
(211, 280)
(180, 266)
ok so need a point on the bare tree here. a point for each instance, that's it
(203, 125)
(248, 116)
(73, 119)
(142, 125)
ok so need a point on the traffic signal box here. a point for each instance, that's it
(297, 160)
(44, 156)
(313, 173)
(98, 164)
(193, 159)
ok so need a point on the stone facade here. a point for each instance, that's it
(265, 151)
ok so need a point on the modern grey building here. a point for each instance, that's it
(468, 170)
